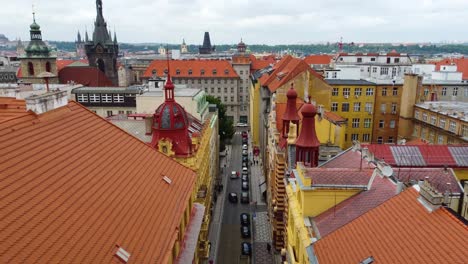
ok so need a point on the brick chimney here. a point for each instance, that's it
(46, 102)
(429, 196)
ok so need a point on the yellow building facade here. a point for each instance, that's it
(254, 108)
(354, 100)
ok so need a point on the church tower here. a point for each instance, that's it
(183, 47)
(102, 51)
(37, 62)
(80, 46)
(207, 48)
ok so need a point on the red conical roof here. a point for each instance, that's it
(308, 137)
(291, 112)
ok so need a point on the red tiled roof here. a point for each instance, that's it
(261, 63)
(209, 66)
(462, 65)
(401, 230)
(318, 59)
(333, 117)
(421, 155)
(11, 108)
(85, 75)
(73, 187)
(64, 63)
(348, 159)
(332, 219)
(438, 177)
(339, 176)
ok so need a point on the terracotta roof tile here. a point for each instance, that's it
(333, 117)
(381, 190)
(261, 63)
(348, 159)
(318, 59)
(222, 68)
(73, 186)
(438, 177)
(401, 230)
(85, 75)
(11, 108)
(64, 63)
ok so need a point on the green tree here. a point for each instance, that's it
(226, 126)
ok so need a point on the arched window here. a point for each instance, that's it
(30, 69)
(47, 67)
(101, 66)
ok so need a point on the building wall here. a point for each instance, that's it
(147, 104)
(241, 65)
(254, 108)
(329, 132)
(386, 111)
(360, 132)
(111, 111)
(410, 88)
(443, 92)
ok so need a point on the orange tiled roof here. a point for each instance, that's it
(222, 68)
(11, 108)
(261, 63)
(74, 187)
(400, 230)
(318, 59)
(64, 63)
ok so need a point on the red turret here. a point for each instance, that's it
(170, 122)
(290, 115)
(307, 144)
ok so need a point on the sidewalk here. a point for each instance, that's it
(218, 209)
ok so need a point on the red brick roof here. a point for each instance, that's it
(381, 190)
(462, 65)
(85, 75)
(11, 108)
(73, 187)
(318, 59)
(222, 68)
(400, 230)
(438, 177)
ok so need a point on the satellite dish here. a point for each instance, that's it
(387, 171)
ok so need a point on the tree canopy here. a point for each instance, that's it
(226, 126)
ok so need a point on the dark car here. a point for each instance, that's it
(245, 185)
(244, 140)
(232, 197)
(246, 249)
(245, 159)
(245, 197)
(245, 219)
(245, 231)
(245, 177)
(245, 164)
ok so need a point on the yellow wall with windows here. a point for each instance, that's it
(339, 98)
(254, 108)
(330, 133)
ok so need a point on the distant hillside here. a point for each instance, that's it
(305, 49)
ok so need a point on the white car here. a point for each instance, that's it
(244, 152)
(241, 125)
(244, 170)
(244, 147)
(234, 175)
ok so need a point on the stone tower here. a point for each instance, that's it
(206, 48)
(80, 46)
(37, 62)
(102, 50)
(183, 47)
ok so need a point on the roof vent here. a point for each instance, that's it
(368, 260)
(122, 254)
(167, 180)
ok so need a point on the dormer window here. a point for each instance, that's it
(190, 72)
(177, 72)
(202, 72)
(226, 71)
(214, 72)
(154, 72)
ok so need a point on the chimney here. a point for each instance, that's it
(399, 187)
(46, 102)
(148, 125)
(430, 197)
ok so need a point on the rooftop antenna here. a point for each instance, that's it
(33, 13)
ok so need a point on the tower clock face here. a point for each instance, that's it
(99, 49)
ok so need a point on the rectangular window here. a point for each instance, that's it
(212, 81)
(232, 98)
(465, 91)
(394, 108)
(359, 59)
(397, 60)
(357, 107)
(206, 81)
(212, 89)
(356, 122)
(357, 91)
(374, 69)
(366, 137)
(426, 92)
(241, 72)
(455, 91)
(232, 108)
(335, 75)
(225, 89)
(395, 91)
(424, 117)
(206, 89)
(345, 107)
(199, 81)
(442, 123)
(452, 126)
(381, 123)
(392, 123)
(335, 91)
(334, 107)
(444, 91)
(369, 91)
(368, 107)
(379, 140)
(121, 112)
(346, 91)
(106, 98)
(390, 140)
(440, 139)
(394, 72)
(384, 71)
(465, 131)
(219, 89)
(354, 136)
(94, 98)
(433, 120)
(82, 98)
(384, 91)
(424, 133)
(240, 98)
(225, 99)
(241, 89)
(109, 113)
(367, 122)
(129, 112)
(416, 114)
(118, 98)
(383, 108)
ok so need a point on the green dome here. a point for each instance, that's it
(35, 26)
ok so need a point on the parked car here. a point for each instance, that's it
(245, 169)
(232, 197)
(245, 231)
(244, 140)
(245, 185)
(245, 177)
(246, 249)
(245, 147)
(234, 174)
(245, 197)
(245, 164)
(244, 158)
(244, 152)
(241, 125)
(245, 219)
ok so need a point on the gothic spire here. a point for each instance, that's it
(100, 35)
(86, 36)
(115, 37)
(78, 37)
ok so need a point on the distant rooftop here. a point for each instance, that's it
(348, 82)
(454, 109)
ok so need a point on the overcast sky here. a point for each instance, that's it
(256, 21)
